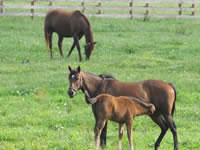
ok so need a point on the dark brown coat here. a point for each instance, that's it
(68, 24)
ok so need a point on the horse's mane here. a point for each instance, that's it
(87, 21)
(102, 76)
(107, 76)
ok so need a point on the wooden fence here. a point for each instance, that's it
(105, 8)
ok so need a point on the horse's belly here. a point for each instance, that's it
(64, 33)
(62, 29)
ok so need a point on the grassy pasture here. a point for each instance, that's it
(36, 112)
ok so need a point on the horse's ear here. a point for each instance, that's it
(69, 68)
(79, 68)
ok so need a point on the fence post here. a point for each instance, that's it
(146, 15)
(32, 9)
(131, 9)
(99, 8)
(1, 4)
(180, 8)
(83, 6)
(193, 11)
(50, 3)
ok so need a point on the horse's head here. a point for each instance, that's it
(88, 49)
(75, 81)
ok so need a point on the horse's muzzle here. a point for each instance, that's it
(71, 92)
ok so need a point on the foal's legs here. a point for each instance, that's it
(172, 127)
(121, 131)
(60, 44)
(129, 133)
(98, 128)
(103, 136)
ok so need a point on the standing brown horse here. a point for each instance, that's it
(120, 109)
(68, 24)
(161, 94)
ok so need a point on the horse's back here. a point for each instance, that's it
(108, 101)
(58, 19)
(103, 105)
(58, 11)
(157, 92)
(114, 108)
(65, 23)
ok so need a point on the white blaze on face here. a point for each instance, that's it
(73, 76)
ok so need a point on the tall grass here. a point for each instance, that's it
(35, 110)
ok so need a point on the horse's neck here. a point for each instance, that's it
(89, 35)
(91, 84)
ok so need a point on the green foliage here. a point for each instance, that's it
(35, 110)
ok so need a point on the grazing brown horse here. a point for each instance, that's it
(68, 24)
(120, 109)
(159, 93)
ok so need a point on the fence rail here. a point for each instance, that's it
(105, 8)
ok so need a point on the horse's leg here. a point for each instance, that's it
(76, 43)
(129, 133)
(60, 39)
(76, 39)
(50, 44)
(121, 131)
(73, 45)
(98, 129)
(159, 120)
(172, 127)
(79, 50)
(103, 136)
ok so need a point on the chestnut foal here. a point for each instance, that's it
(120, 109)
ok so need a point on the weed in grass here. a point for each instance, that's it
(41, 95)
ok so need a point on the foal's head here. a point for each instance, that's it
(88, 49)
(75, 81)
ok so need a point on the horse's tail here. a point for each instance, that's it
(46, 33)
(173, 107)
(92, 100)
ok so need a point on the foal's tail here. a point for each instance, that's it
(149, 106)
(173, 107)
(92, 100)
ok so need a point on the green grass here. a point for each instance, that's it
(36, 112)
